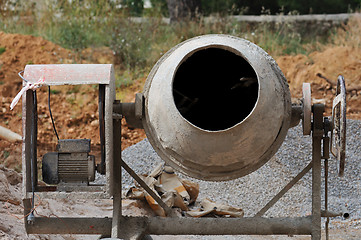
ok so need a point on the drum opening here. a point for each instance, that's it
(215, 89)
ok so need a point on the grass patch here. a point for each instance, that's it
(54, 91)
(348, 35)
(73, 89)
(18, 169)
(5, 154)
(123, 80)
(2, 50)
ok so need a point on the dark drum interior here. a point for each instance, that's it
(215, 89)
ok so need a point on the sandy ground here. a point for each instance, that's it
(12, 225)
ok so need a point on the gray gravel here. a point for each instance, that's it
(253, 191)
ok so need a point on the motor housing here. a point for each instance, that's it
(70, 164)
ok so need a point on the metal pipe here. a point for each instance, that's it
(175, 226)
(296, 116)
(328, 214)
(61, 225)
(229, 226)
(9, 135)
(131, 111)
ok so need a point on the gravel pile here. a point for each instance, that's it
(253, 191)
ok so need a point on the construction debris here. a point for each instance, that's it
(179, 193)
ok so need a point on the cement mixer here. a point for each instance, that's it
(214, 107)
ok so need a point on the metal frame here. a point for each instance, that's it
(120, 226)
(136, 227)
(68, 74)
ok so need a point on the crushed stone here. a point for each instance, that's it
(253, 191)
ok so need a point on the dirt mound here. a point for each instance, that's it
(329, 63)
(75, 108)
(21, 50)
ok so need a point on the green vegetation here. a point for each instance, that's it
(125, 79)
(252, 7)
(5, 154)
(54, 91)
(2, 50)
(79, 24)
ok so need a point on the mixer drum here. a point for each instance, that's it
(217, 107)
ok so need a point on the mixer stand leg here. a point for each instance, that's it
(317, 135)
(117, 181)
